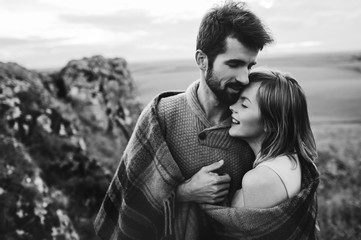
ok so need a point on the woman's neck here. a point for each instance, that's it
(255, 145)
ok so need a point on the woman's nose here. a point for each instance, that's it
(231, 108)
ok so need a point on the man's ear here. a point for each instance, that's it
(202, 60)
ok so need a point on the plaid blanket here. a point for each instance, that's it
(140, 202)
(294, 218)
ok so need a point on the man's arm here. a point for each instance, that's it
(205, 186)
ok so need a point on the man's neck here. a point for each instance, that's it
(215, 111)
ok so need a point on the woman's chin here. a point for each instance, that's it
(233, 133)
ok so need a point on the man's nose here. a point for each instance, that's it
(242, 76)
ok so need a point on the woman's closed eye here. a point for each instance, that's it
(244, 102)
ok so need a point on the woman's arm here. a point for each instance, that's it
(261, 188)
(238, 199)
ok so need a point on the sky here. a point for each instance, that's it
(42, 34)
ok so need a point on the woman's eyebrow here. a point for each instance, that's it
(245, 98)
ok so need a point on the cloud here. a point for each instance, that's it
(138, 27)
(121, 20)
(15, 42)
(356, 14)
(45, 32)
(263, 3)
(20, 4)
(184, 9)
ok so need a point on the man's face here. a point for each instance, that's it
(230, 70)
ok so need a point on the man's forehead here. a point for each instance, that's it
(236, 50)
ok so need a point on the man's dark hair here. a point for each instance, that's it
(234, 20)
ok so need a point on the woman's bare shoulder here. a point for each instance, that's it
(259, 178)
(263, 188)
(282, 161)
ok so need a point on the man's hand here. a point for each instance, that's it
(205, 186)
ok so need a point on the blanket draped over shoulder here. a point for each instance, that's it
(294, 218)
(140, 201)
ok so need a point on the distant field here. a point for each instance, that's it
(332, 82)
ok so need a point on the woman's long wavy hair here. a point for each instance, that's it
(284, 113)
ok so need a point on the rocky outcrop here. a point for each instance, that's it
(101, 90)
(29, 208)
(61, 135)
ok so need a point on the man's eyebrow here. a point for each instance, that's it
(240, 61)
(235, 61)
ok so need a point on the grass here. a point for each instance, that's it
(339, 193)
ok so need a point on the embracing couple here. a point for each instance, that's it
(229, 158)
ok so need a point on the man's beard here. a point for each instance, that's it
(223, 95)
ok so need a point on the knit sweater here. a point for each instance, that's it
(195, 143)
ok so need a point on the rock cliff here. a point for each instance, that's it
(61, 137)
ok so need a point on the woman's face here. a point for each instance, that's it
(246, 116)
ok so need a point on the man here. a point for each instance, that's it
(180, 154)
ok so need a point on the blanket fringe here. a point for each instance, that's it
(169, 212)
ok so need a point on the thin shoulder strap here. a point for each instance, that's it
(284, 185)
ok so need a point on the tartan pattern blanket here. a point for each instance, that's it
(140, 201)
(295, 218)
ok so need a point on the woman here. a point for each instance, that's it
(271, 116)
(278, 196)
